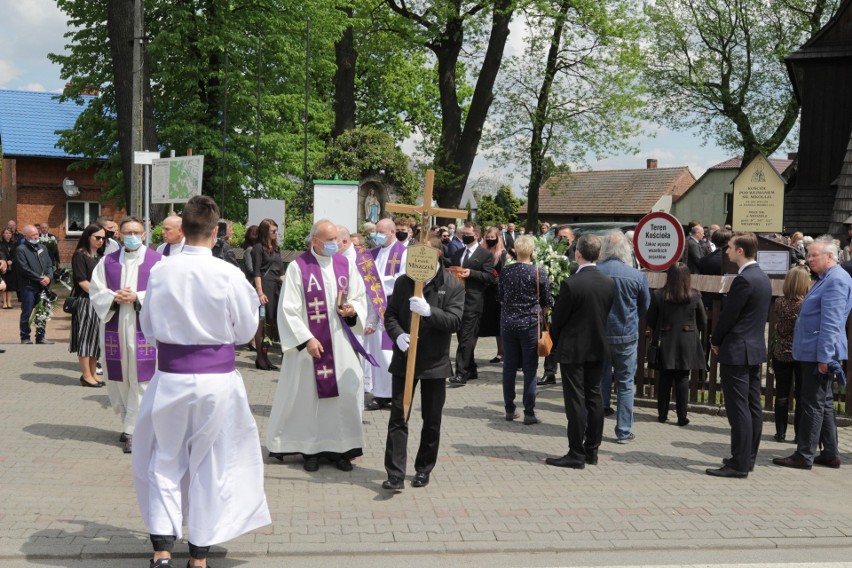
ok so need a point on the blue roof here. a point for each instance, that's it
(29, 121)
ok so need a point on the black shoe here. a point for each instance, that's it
(609, 411)
(123, 437)
(344, 465)
(393, 483)
(277, 455)
(530, 420)
(311, 463)
(512, 416)
(161, 563)
(793, 461)
(727, 461)
(128, 445)
(373, 405)
(497, 359)
(2, 350)
(26, 342)
(826, 461)
(684, 422)
(85, 383)
(456, 382)
(592, 458)
(472, 377)
(662, 419)
(779, 437)
(567, 461)
(44, 342)
(726, 471)
(420, 480)
(547, 380)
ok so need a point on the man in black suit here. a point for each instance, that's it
(711, 264)
(578, 329)
(509, 239)
(477, 273)
(738, 341)
(694, 252)
(441, 310)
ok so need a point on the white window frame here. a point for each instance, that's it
(87, 220)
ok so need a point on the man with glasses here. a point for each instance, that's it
(117, 292)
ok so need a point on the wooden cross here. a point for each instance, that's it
(425, 211)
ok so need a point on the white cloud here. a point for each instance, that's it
(29, 30)
(37, 87)
(8, 72)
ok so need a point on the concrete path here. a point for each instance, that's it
(66, 491)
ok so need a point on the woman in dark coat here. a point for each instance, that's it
(267, 267)
(85, 325)
(677, 318)
(8, 244)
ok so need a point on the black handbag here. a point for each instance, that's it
(653, 357)
(69, 306)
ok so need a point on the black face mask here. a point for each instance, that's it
(468, 239)
(491, 242)
(109, 234)
(445, 240)
(401, 236)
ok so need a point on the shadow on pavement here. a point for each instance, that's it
(367, 478)
(498, 453)
(73, 432)
(67, 365)
(50, 379)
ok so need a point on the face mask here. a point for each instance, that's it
(468, 239)
(329, 248)
(491, 242)
(380, 238)
(452, 232)
(33, 241)
(402, 235)
(445, 240)
(109, 234)
(132, 242)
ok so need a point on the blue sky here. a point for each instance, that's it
(30, 29)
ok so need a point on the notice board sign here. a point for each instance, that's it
(758, 198)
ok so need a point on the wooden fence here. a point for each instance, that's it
(704, 386)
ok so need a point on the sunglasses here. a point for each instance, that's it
(98, 238)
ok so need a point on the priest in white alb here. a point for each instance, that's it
(316, 410)
(117, 292)
(389, 265)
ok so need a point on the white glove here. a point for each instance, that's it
(420, 306)
(403, 342)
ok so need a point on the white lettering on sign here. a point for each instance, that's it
(658, 241)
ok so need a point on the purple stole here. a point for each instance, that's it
(394, 258)
(318, 313)
(146, 354)
(168, 249)
(375, 289)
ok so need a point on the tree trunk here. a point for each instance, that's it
(344, 80)
(120, 33)
(538, 147)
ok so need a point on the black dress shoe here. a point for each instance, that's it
(592, 458)
(609, 411)
(311, 463)
(456, 382)
(128, 445)
(497, 359)
(373, 405)
(44, 342)
(531, 420)
(567, 461)
(825, 461)
(727, 461)
(547, 380)
(793, 461)
(123, 437)
(344, 465)
(26, 342)
(277, 455)
(393, 483)
(684, 422)
(420, 480)
(161, 563)
(95, 385)
(726, 471)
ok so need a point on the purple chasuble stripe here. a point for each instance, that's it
(195, 359)
(146, 354)
(366, 265)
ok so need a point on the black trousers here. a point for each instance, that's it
(741, 387)
(465, 365)
(581, 391)
(787, 374)
(433, 393)
(680, 379)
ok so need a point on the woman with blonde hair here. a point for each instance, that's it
(796, 285)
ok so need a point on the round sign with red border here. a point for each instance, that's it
(658, 241)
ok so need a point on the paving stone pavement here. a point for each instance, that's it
(66, 489)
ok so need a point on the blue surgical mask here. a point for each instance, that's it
(132, 242)
(329, 248)
(380, 238)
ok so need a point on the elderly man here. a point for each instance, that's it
(819, 342)
(117, 292)
(50, 243)
(35, 272)
(738, 341)
(316, 412)
(173, 239)
(694, 250)
(632, 298)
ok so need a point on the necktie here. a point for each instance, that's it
(466, 256)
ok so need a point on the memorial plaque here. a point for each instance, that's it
(421, 262)
(758, 198)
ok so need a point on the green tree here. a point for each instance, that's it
(508, 203)
(489, 213)
(572, 92)
(718, 65)
(363, 152)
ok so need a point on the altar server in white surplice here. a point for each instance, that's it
(196, 457)
(389, 260)
(117, 292)
(316, 411)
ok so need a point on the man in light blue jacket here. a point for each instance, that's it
(632, 299)
(820, 338)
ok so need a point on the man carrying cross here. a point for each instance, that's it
(316, 411)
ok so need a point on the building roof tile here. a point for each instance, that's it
(29, 122)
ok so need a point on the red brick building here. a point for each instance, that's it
(36, 184)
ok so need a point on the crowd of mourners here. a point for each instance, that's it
(342, 314)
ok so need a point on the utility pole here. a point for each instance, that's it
(136, 189)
